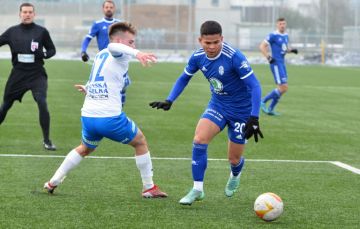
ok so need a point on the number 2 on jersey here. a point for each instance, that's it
(239, 127)
(101, 58)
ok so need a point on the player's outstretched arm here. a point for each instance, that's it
(80, 88)
(146, 59)
(118, 49)
(178, 87)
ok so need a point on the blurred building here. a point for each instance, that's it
(174, 25)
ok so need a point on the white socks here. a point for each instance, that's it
(71, 161)
(144, 164)
(199, 185)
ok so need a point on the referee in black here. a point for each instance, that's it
(27, 42)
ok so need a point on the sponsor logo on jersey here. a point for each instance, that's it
(217, 85)
(221, 70)
(34, 45)
(203, 69)
(104, 27)
(97, 90)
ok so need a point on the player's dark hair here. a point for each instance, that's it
(109, 1)
(280, 19)
(121, 27)
(210, 28)
(26, 4)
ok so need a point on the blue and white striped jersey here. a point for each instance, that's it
(226, 73)
(99, 29)
(279, 45)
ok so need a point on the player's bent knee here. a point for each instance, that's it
(139, 140)
(200, 140)
(83, 150)
(283, 88)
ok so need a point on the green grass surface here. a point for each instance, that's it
(319, 121)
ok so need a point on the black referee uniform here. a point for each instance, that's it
(27, 43)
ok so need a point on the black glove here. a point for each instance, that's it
(84, 56)
(252, 128)
(270, 59)
(166, 105)
(294, 51)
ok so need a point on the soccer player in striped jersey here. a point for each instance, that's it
(235, 103)
(102, 115)
(274, 48)
(99, 29)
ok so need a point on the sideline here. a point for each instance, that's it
(336, 163)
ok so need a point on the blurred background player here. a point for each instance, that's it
(235, 103)
(274, 48)
(102, 115)
(99, 29)
(27, 41)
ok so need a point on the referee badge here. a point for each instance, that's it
(34, 45)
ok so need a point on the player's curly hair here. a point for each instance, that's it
(210, 28)
(121, 27)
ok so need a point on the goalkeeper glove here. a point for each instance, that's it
(252, 128)
(270, 59)
(166, 105)
(294, 51)
(84, 56)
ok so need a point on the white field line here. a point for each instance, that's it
(337, 163)
(346, 166)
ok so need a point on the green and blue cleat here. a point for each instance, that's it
(192, 196)
(263, 107)
(273, 113)
(232, 185)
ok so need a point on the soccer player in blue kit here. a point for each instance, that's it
(235, 103)
(99, 29)
(102, 114)
(277, 42)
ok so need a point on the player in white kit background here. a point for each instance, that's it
(102, 115)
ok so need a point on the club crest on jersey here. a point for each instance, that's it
(216, 84)
(34, 45)
(221, 70)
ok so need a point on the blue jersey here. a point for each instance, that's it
(225, 74)
(279, 45)
(99, 29)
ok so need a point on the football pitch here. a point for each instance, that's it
(310, 156)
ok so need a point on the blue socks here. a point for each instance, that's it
(199, 161)
(275, 96)
(236, 169)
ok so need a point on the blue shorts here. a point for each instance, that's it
(119, 128)
(279, 72)
(236, 124)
